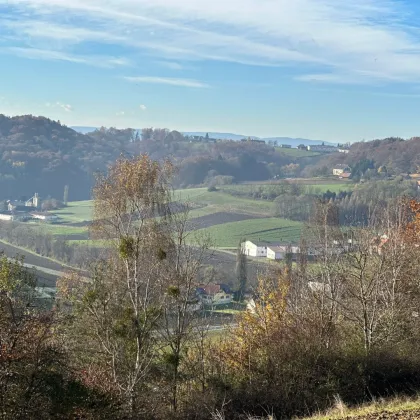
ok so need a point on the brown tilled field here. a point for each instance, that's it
(218, 219)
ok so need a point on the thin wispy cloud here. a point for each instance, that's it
(167, 81)
(330, 40)
(143, 107)
(65, 107)
(43, 54)
(172, 65)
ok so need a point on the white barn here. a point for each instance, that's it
(6, 216)
(47, 217)
(275, 252)
(254, 249)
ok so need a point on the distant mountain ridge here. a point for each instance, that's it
(294, 142)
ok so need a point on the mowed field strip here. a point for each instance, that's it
(273, 229)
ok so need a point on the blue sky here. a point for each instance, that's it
(323, 69)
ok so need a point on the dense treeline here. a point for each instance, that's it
(41, 155)
(355, 207)
(297, 202)
(130, 341)
(373, 159)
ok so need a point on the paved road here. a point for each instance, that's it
(47, 271)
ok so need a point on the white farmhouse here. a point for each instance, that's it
(46, 217)
(254, 249)
(6, 216)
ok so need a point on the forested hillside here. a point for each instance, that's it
(41, 155)
(38, 154)
(391, 156)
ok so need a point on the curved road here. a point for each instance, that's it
(47, 271)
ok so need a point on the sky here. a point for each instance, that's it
(334, 70)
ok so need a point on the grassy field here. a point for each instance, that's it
(271, 230)
(217, 201)
(224, 233)
(221, 201)
(63, 230)
(190, 194)
(76, 212)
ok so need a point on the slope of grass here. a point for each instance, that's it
(387, 409)
(221, 201)
(76, 212)
(270, 230)
(189, 194)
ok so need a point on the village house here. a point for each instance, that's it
(14, 216)
(341, 169)
(214, 294)
(17, 205)
(254, 249)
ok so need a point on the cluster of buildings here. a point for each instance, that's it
(322, 148)
(25, 210)
(272, 251)
(278, 251)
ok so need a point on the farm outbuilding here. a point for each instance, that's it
(254, 249)
(275, 252)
